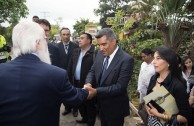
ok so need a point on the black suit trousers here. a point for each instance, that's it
(114, 122)
(88, 111)
(88, 108)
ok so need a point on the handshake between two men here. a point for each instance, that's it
(92, 91)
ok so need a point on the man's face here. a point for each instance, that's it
(106, 46)
(35, 19)
(65, 35)
(146, 58)
(83, 41)
(46, 29)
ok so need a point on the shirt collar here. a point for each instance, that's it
(35, 54)
(88, 48)
(113, 54)
(66, 43)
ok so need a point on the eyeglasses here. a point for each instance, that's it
(161, 99)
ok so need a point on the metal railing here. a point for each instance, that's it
(134, 109)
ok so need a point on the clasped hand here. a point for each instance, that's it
(92, 91)
(152, 111)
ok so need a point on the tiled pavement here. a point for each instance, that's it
(69, 120)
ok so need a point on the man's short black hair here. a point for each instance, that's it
(108, 32)
(35, 17)
(89, 36)
(64, 28)
(44, 21)
(147, 51)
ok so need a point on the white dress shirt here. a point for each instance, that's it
(111, 56)
(146, 72)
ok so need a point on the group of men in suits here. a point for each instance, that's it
(32, 90)
(61, 55)
(101, 76)
(110, 87)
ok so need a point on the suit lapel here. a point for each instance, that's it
(70, 48)
(61, 48)
(114, 62)
(99, 67)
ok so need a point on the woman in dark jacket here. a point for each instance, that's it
(167, 74)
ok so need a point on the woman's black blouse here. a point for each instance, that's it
(177, 90)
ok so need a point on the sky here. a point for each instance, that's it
(68, 10)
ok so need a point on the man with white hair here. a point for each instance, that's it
(32, 90)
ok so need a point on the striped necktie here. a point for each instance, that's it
(104, 67)
(66, 48)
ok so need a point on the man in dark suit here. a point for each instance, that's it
(80, 63)
(110, 75)
(66, 48)
(53, 50)
(32, 90)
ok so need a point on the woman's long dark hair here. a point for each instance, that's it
(184, 68)
(171, 58)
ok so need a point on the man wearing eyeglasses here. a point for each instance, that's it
(53, 50)
(66, 48)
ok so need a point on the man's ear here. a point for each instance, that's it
(115, 41)
(38, 45)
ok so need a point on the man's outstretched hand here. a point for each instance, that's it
(92, 91)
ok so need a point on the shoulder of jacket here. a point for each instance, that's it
(59, 44)
(76, 50)
(73, 43)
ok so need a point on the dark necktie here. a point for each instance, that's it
(66, 48)
(104, 67)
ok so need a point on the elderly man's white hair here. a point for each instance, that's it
(24, 38)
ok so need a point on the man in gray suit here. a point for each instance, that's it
(109, 77)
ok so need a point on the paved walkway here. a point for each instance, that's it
(69, 120)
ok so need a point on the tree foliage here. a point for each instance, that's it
(79, 26)
(54, 30)
(116, 26)
(173, 21)
(107, 8)
(12, 10)
(173, 18)
(6, 32)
